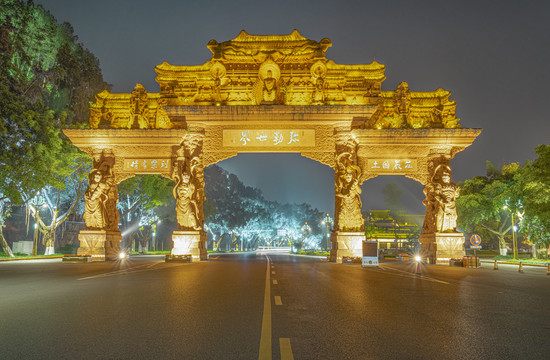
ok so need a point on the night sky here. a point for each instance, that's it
(494, 56)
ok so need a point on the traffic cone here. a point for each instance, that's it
(496, 266)
(418, 267)
(520, 267)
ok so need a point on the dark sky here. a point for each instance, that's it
(494, 56)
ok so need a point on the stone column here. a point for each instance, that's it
(101, 239)
(349, 234)
(188, 174)
(440, 240)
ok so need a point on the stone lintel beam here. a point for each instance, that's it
(242, 114)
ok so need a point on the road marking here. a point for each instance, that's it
(275, 282)
(278, 300)
(286, 349)
(265, 339)
(273, 273)
(132, 270)
(415, 276)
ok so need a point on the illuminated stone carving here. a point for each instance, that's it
(139, 108)
(440, 200)
(292, 70)
(275, 93)
(348, 200)
(101, 196)
(188, 174)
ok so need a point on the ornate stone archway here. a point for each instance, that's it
(273, 94)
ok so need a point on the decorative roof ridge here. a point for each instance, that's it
(246, 37)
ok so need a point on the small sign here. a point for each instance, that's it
(370, 261)
(146, 165)
(394, 166)
(475, 246)
(273, 138)
(475, 240)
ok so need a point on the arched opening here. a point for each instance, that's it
(394, 213)
(261, 200)
(147, 216)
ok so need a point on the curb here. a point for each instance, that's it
(32, 258)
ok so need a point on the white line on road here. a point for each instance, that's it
(273, 273)
(286, 349)
(278, 300)
(415, 276)
(132, 270)
(265, 339)
(275, 282)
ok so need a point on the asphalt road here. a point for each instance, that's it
(253, 306)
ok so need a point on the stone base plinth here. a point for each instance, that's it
(346, 244)
(101, 245)
(438, 248)
(190, 242)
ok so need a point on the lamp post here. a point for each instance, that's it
(37, 202)
(305, 229)
(327, 221)
(514, 239)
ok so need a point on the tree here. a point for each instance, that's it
(61, 198)
(482, 201)
(46, 82)
(236, 210)
(143, 200)
(534, 181)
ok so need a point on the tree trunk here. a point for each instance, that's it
(4, 243)
(502, 246)
(534, 250)
(49, 241)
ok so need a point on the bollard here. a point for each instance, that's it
(520, 267)
(418, 267)
(496, 266)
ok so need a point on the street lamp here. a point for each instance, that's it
(305, 229)
(327, 221)
(514, 239)
(38, 201)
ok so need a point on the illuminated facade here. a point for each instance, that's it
(275, 94)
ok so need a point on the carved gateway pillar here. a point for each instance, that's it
(188, 175)
(348, 236)
(101, 239)
(440, 240)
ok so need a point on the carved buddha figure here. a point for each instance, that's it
(441, 195)
(270, 87)
(348, 200)
(186, 206)
(445, 194)
(96, 196)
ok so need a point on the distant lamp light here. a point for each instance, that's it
(121, 255)
(417, 258)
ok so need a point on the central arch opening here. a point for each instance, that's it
(270, 200)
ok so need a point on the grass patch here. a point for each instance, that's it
(314, 253)
(163, 252)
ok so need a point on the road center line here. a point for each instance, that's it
(275, 282)
(273, 272)
(278, 300)
(265, 339)
(286, 349)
